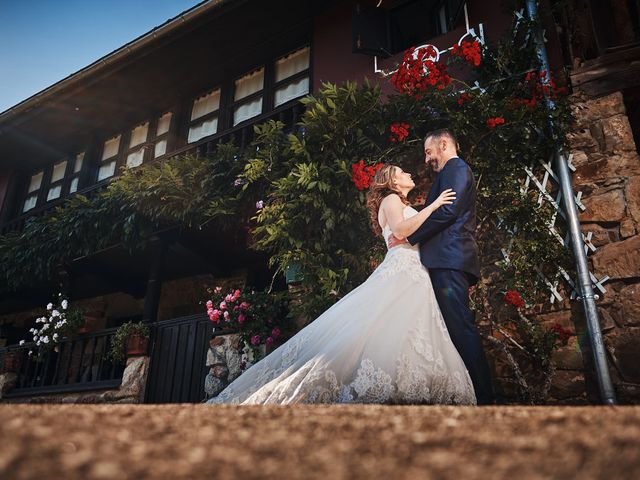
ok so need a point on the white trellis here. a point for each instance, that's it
(547, 186)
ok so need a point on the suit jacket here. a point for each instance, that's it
(447, 237)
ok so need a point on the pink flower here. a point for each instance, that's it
(259, 204)
(209, 304)
(241, 319)
(228, 298)
(255, 340)
(209, 311)
(236, 308)
(217, 289)
(236, 295)
(226, 316)
(223, 305)
(269, 341)
(275, 333)
(244, 305)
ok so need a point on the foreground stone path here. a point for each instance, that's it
(317, 442)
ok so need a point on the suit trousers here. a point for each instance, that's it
(452, 292)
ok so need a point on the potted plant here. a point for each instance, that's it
(130, 339)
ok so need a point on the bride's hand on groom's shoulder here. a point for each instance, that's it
(395, 241)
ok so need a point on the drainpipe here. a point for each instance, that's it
(585, 288)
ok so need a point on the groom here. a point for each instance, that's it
(448, 249)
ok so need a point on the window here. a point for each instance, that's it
(291, 76)
(135, 155)
(417, 21)
(33, 191)
(109, 156)
(248, 96)
(162, 134)
(57, 177)
(204, 116)
(75, 174)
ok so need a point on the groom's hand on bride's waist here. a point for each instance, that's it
(395, 241)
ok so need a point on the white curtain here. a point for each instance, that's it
(207, 103)
(36, 181)
(74, 185)
(251, 83)
(135, 158)
(160, 149)
(107, 170)
(139, 135)
(29, 203)
(292, 64)
(247, 110)
(79, 160)
(163, 124)
(58, 171)
(204, 129)
(54, 192)
(111, 147)
(292, 90)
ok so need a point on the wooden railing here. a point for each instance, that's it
(80, 363)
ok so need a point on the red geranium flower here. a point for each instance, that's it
(513, 298)
(415, 75)
(470, 51)
(464, 98)
(563, 333)
(494, 122)
(362, 174)
(399, 131)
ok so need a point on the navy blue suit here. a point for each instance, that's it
(449, 250)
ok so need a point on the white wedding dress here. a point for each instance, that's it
(384, 342)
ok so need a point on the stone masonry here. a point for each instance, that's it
(608, 175)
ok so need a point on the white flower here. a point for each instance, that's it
(55, 337)
(49, 306)
(45, 326)
(55, 313)
(21, 342)
(38, 343)
(45, 339)
(64, 304)
(63, 321)
(30, 352)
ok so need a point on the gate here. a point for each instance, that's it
(178, 356)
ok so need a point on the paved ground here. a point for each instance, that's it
(317, 442)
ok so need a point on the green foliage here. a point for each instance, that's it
(118, 350)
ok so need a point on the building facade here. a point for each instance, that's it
(208, 76)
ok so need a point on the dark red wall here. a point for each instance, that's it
(334, 62)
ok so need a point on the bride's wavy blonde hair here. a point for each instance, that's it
(383, 184)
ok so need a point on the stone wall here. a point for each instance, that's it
(608, 175)
(131, 390)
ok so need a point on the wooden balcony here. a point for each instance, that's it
(241, 135)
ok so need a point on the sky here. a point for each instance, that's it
(44, 41)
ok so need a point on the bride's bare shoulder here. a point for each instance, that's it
(391, 199)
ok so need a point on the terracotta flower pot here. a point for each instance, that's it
(137, 345)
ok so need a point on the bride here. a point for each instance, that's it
(384, 342)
